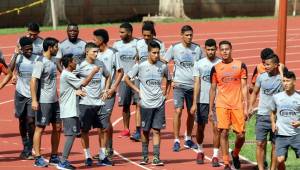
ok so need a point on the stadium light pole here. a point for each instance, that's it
(53, 15)
(281, 31)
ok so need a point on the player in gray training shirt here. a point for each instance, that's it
(267, 84)
(70, 86)
(23, 60)
(152, 73)
(184, 54)
(111, 59)
(45, 101)
(286, 119)
(91, 104)
(33, 31)
(71, 45)
(127, 49)
(200, 107)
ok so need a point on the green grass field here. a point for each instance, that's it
(249, 150)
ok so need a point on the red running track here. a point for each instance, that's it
(248, 37)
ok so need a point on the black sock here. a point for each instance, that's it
(138, 129)
(145, 149)
(156, 150)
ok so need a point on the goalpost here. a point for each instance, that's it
(281, 31)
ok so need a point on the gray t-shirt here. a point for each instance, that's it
(127, 54)
(69, 83)
(67, 47)
(142, 48)
(94, 88)
(38, 46)
(202, 69)
(150, 76)
(24, 68)
(287, 110)
(184, 59)
(111, 60)
(45, 71)
(269, 85)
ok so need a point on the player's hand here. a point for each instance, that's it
(17, 49)
(210, 116)
(34, 105)
(80, 93)
(14, 79)
(274, 128)
(193, 109)
(111, 92)
(295, 124)
(104, 95)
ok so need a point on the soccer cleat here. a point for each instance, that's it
(190, 144)
(136, 136)
(109, 154)
(104, 162)
(125, 133)
(236, 161)
(88, 162)
(227, 167)
(200, 158)
(215, 162)
(40, 162)
(54, 160)
(65, 166)
(157, 162)
(144, 161)
(176, 147)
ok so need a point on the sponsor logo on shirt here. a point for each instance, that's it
(187, 64)
(126, 58)
(228, 79)
(206, 78)
(153, 82)
(287, 112)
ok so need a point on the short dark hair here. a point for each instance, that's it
(127, 26)
(67, 59)
(265, 53)
(49, 42)
(72, 24)
(33, 26)
(289, 75)
(149, 26)
(225, 42)
(90, 45)
(210, 43)
(103, 34)
(153, 44)
(186, 28)
(24, 41)
(273, 57)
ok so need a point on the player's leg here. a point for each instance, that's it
(178, 103)
(202, 119)
(188, 142)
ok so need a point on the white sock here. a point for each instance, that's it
(176, 140)
(102, 153)
(187, 138)
(216, 152)
(200, 148)
(87, 153)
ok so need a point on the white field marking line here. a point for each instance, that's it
(122, 157)
(8, 101)
(203, 34)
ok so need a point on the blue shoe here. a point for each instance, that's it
(88, 162)
(190, 144)
(65, 166)
(104, 162)
(40, 162)
(54, 160)
(176, 147)
(136, 136)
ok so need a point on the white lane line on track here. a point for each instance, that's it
(8, 101)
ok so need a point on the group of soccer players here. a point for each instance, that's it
(93, 74)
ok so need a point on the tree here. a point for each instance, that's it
(172, 8)
(60, 11)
